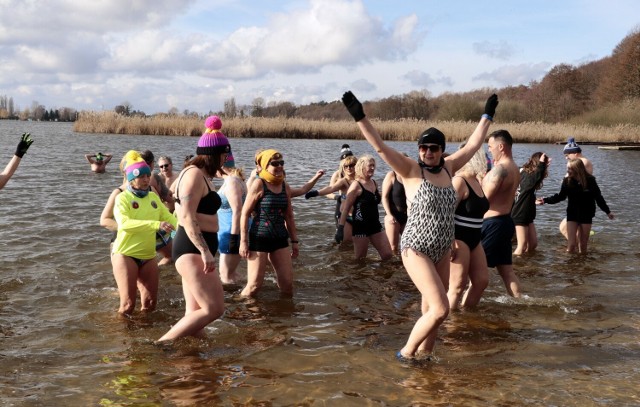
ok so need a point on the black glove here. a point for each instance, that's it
(311, 194)
(490, 106)
(24, 144)
(339, 233)
(353, 105)
(234, 244)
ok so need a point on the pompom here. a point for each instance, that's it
(213, 123)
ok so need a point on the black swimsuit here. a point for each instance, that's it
(182, 244)
(468, 218)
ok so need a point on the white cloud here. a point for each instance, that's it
(514, 74)
(498, 50)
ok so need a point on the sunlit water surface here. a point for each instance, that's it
(572, 341)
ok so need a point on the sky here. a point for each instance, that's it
(194, 55)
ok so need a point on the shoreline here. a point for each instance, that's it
(395, 130)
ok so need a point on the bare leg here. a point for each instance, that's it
(381, 243)
(584, 234)
(434, 303)
(360, 247)
(283, 266)
(148, 281)
(228, 268)
(522, 236)
(393, 230)
(511, 281)
(125, 272)
(572, 233)
(165, 252)
(256, 265)
(563, 228)
(478, 276)
(204, 298)
(458, 274)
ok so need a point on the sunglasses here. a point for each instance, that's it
(434, 148)
(277, 163)
(164, 166)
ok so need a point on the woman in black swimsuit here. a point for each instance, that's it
(468, 261)
(196, 240)
(363, 196)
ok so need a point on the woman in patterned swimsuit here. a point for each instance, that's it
(272, 225)
(429, 233)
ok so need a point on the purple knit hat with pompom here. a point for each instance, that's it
(213, 141)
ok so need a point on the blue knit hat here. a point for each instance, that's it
(572, 147)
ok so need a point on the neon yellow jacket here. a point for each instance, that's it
(138, 221)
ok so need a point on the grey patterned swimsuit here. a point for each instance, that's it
(430, 229)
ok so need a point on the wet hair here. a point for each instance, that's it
(532, 165)
(477, 164)
(363, 163)
(579, 172)
(148, 157)
(187, 160)
(211, 164)
(502, 136)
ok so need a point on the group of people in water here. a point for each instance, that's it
(449, 216)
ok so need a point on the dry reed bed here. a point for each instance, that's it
(399, 130)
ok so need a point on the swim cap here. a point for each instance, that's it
(99, 157)
(135, 165)
(571, 147)
(345, 152)
(213, 141)
(230, 162)
(432, 136)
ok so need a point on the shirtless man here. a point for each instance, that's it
(500, 185)
(572, 150)
(98, 161)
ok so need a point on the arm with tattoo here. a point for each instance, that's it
(494, 179)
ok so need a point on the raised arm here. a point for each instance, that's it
(397, 161)
(460, 157)
(12, 166)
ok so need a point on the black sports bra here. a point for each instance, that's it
(209, 204)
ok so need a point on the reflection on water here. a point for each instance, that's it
(572, 340)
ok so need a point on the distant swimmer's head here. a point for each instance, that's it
(213, 141)
(135, 166)
(99, 157)
(572, 147)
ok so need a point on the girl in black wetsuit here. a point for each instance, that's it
(523, 211)
(364, 197)
(583, 194)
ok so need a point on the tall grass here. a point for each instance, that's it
(399, 130)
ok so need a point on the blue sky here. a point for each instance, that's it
(193, 55)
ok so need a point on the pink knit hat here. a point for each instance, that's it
(213, 141)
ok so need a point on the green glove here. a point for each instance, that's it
(24, 144)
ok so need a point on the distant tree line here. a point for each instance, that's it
(37, 112)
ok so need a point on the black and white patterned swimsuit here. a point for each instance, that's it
(430, 229)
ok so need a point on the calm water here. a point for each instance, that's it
(572, 341)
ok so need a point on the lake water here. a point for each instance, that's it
(573, 340)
